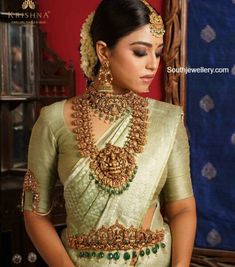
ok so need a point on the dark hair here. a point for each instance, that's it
(115, 19)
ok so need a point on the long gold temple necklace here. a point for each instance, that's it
(113, 167)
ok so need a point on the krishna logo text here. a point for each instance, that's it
(35, 17)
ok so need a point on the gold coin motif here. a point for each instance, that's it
(113, 166)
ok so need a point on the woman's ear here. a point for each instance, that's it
(102, 51)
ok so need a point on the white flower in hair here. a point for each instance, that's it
(87, 50)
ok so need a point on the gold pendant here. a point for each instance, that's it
(113, 169)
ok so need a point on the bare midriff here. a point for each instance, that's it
(146, 224)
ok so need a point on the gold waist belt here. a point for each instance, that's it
(116, 238)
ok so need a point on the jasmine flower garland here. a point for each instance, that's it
(87, 50)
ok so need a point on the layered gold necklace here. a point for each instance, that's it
(113, 167)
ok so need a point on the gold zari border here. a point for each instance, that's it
(116, 237)
(31, 184)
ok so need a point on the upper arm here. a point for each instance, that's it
(176, 207)
(41, 176)
(178, 184)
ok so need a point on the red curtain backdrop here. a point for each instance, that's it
(63, 34)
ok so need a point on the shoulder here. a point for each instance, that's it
(165, 110)
(165, 118)
(52, 115)
(52, 111)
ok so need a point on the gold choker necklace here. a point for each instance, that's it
(109, 106)
(113, 167)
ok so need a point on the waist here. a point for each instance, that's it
(116, 240)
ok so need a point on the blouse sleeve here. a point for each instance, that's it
(41, 176)
(178, 183)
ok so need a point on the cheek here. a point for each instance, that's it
(126, 68)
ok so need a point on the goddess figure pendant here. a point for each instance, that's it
(113, 169)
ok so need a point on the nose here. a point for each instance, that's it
(153, 62)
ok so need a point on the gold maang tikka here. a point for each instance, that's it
(105, 78)
(156, 22)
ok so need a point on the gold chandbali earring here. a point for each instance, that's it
(105, 78)
(155, 20)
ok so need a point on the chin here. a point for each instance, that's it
(146, 90)
(142, 90)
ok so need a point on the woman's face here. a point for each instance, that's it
(134, 61)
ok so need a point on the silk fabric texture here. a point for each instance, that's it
(163, 175)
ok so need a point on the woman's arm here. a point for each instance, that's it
(46, 240)
(182, 219)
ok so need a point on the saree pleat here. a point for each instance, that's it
(88, 194)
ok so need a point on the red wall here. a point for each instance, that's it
(63, 27)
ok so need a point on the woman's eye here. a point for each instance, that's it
(139, 53)
(159, 54)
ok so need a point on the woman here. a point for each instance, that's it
(131, 156)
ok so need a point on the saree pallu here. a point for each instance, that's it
(163, 171)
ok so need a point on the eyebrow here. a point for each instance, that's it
(146, 44)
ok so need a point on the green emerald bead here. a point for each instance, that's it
(93, 254)
(154, 250)
(87, 255)
(163, 245)
(110, 256)
(148, 251)
(81, 254)
(157, 246)
(100, 255)
(116, 256)
(134, 254)
(142, 253)
(126, 256)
